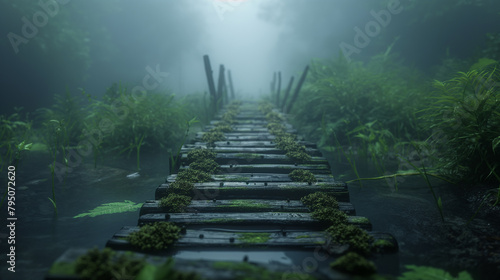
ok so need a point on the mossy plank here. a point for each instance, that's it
(250, 143)
(261, 190)
(248, 150)
(289, 220)
(258, 177)
(241, 205)
(256, 158)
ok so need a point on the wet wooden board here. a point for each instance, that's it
(235, 158)
(257, 144)
(213, 237)
(246, 150)
(257, 177)
(259, 190)
(269, 168)
(282, 220)
(209, 269)
(243, 137)
(236, 129)
(241, 206)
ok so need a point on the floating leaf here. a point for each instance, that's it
(111, 208)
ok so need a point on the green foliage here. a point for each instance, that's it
(248, 271)
(358, 239)
(165, 271)
(465, 120)
(213, 136)
(431, 273)
(330, 215)
(300, 175)
(14, 129)
(157, 236)
(318, 200)
(175, 203)
(193, 176)
(353, 263)
(200, 153)
(251, 237)
(105, 265)
(111, 208)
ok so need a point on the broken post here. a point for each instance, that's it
(287, 92)
(297, 90)
(210, 79)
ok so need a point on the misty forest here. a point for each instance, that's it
(240, 110)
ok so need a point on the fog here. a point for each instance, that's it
(91, 44)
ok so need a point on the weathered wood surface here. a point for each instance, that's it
(254, 158)
(248, 144)
(257, 177)
(264, 136)
(255, 220)
(236, 167)
(209, 269)
(261, 190)
(245, 150)
(242, 129)
(241, 206)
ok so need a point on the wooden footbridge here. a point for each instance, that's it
(251, 206)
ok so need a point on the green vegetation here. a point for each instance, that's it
(175, 203)
(300, 175)
(318, 200)
(105, 265)
(431, 273)
(181, 187)
(165, 271)
(250, 237)
(205, 165)
(111, 208)
(199, 154)
(193, 176)
(157, 236)
(244, 204)
(358, 239)
(248, 271)
(353, 263)
(331, 215)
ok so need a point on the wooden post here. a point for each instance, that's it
(287, 92)
(273, 83)
(220, 87)
(210, 79)
(297, 90)
(231, 89)
(279, 90)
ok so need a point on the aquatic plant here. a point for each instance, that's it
(358, 239)
(106, 264)
(428, 273)
(353, 263)
(301, 175)
(174, 161)
(111, 208)
(175, 203)
(465, 122)
(157, 236)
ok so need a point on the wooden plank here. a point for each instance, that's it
(282, 220)
(260, 177)
(247, 129)
(246, 158)
(250, 143)
(242, 137)
(259, 190)
(273, 168)
(208, 269)
(241, 205)
(247, 150)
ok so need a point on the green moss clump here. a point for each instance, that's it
(199, 154)
(248, 271)
(274, 117)
(333, 216)
(157, 236)
(276, 129)
(299, 175)
(266, 107)
(251, 237)
(222, 127)
(285, 141)
(193, 176)
(298, 156)
(175, 203)
(353, 263)
(293, 150)
(358, 239)
(212, 137)
(319, 200)
(105, 265)
(244, 203)
(181, 187)
(205, 165)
